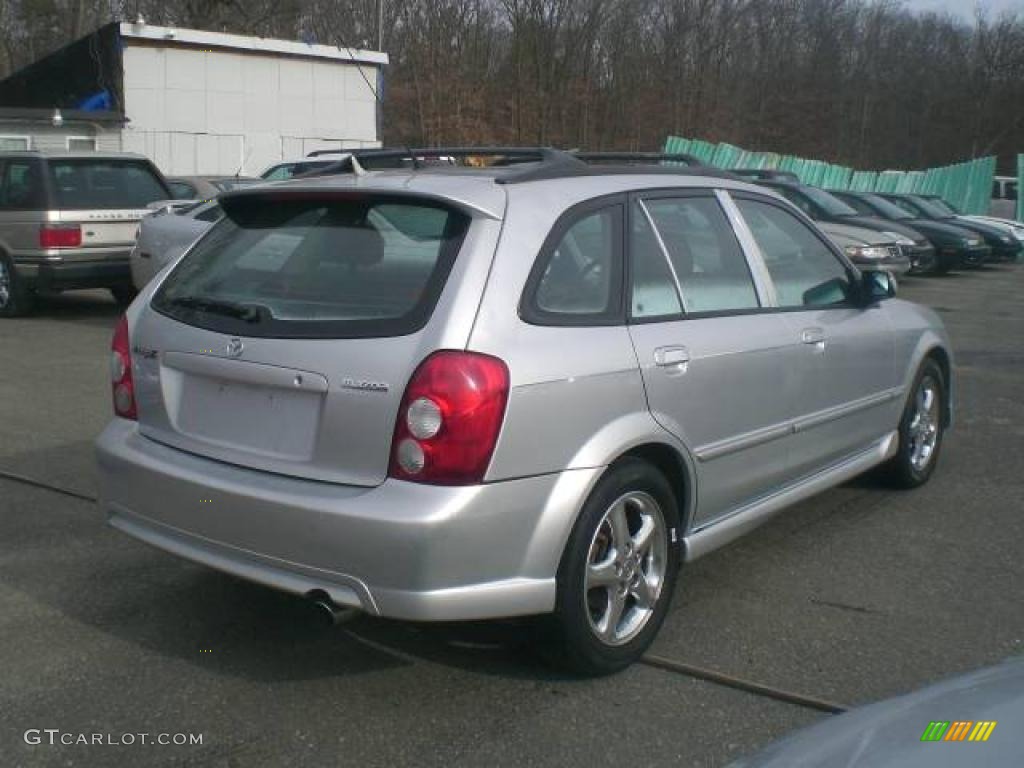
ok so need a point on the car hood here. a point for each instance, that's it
(883, 225)
(940, 232)
(989, 231)
(889, 734)
(845, 234)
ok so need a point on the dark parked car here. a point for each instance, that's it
(822, 206)
(954, 245)
(763, 174)
(1005, 247)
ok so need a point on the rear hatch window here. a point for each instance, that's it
(301, 266)
(90, 183)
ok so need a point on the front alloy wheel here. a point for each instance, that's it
(921, 429)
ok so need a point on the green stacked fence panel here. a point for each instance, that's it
(1020, 187)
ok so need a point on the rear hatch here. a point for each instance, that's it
(284, 339)
(105, 198)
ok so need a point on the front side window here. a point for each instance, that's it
(577, 280)
(289, 267)
(805, 272)
(704, 254)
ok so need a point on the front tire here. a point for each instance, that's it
(16, 298)
(921, 429)
(618, 572)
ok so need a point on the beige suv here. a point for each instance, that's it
(68, 220)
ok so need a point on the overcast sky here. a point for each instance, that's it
(966, 8)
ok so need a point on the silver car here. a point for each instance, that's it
(536, 388)
(68, 220)
(165, 234)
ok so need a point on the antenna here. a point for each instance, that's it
(376, 95)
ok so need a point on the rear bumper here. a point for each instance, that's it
(79, 273)
(400, 549)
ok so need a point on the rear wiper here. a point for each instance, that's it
(245, 312)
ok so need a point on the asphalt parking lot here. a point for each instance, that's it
(856, 595)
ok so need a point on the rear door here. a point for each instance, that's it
(283, 341)
(847, 354)
(717, 361)
(106, 197)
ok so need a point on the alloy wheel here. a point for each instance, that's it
(923, 432)
(5, 284)
(626, 568)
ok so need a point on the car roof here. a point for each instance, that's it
(47, 154)
(482, 189)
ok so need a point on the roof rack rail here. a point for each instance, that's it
(518, 164)
(765, 174)
(637, 158)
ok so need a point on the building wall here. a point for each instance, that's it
(47, 137)
(195, 111)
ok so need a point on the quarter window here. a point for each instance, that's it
(806, 273)
(579, 277)
(704, 254)
(22, 186)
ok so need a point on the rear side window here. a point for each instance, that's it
(21, 186)
(333, 268)
(804, 270)
(83, 184)
(182, 190)
(577, 278)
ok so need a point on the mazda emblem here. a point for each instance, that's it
(235, 347)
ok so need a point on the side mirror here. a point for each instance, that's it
(877, 285)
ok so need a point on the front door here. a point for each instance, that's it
(849, 395)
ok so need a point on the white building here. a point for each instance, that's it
(195, 102)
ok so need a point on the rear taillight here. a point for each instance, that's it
(449, 419)
(60, 236)
(121, 372)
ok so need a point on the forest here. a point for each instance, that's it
(865, 83)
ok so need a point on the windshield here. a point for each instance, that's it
(943, 206)
(831, 204)
(929, 208)
(87, 183)
(282, 266)
(887, 209)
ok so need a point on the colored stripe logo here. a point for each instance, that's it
(958, 730)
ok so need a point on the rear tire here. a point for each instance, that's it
(123, 294)
(921, 429)
(617, 574)
(16, 298)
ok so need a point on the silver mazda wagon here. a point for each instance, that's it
(444, 392)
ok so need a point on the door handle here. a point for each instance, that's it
(672, 357)
(814, 336)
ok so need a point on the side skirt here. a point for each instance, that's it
(735, 524)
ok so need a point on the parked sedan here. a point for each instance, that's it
(867, 248)
(534, 388)
(206, 187)
(1005, 247)
(1011, 226)
(164, 235)
(954, 245)
(823, 206)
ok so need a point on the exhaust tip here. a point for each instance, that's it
(333, 614)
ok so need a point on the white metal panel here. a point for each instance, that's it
(143, 67)
(361, 121)
(185, 68)
(356, 88)
(145, 107)
(312, 145)
(328, 81)
(330, 117)
(296, 78)
(185, 111)
(224, 71)
(225, 112)
(291, 148)
(261, 113)
(184, 155)
(295, 116)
